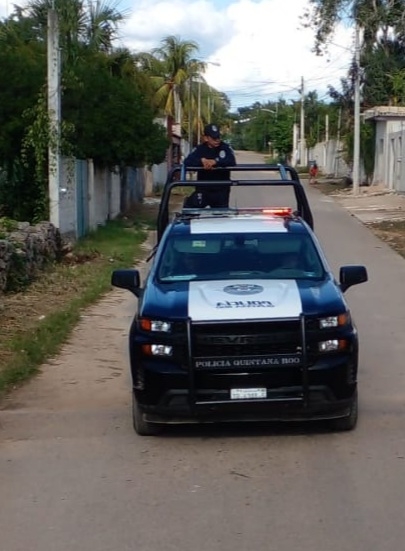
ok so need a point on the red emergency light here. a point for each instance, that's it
(278, 211)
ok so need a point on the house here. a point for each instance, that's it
(389, 170)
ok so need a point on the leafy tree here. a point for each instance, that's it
(382, 65)
(115, 103)
(259, 124)
(22, 70)
(383, 74)
(378, 18)
(106, 101)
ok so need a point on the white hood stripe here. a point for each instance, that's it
(245, 225)
(237, 299)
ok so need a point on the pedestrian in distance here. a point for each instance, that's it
(212, 153)
(313, 173)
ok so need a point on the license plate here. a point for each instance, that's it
(248, 393)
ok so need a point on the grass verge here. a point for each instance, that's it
(35, 323)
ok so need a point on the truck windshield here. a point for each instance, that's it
(240, 256)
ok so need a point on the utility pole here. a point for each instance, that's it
(54, 113)
(337, 155)
(302, 125)
(199, 112)
(326, 129)
(190, 114)
(356, 149)
(295, 144)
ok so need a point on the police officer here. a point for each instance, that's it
(212, 153)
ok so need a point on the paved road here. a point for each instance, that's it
(74, 476)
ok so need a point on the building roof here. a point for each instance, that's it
(385, 112)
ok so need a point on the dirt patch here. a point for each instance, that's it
(333, 186)
(59, 284)
(62, 283)
(392, 233)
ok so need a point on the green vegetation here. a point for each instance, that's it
(268, 127)
(111, 98)
(34, 324)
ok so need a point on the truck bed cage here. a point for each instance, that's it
(287, 177)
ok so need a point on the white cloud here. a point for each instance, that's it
(261, 46)
(262, 49)
(193, 20)
(5, 8)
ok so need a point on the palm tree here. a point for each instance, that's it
(92, 25)
(171, 66)
(102, 25)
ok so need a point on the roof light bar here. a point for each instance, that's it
(279, 211)
(274, 211)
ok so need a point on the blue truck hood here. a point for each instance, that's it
(234, 300)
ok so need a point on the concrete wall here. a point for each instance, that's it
(114, 195)
(330, 158)
(67, 197)
(105, 194)
(389, 169)
(100, 197)
(159, 175)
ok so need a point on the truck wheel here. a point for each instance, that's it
(349, 422)
(142, 427)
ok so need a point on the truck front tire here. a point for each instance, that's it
(142, 427)
(349, 422)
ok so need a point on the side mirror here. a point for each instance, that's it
(352, 275)
(127, 279)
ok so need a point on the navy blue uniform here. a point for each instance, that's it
(217, 196)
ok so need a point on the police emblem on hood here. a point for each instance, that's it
(243, 289)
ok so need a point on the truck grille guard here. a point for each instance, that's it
(193, 391)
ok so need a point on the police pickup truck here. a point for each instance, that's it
(241, 319)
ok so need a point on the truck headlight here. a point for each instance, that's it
(158, 326)
(332, 345)
(157, 350)
(334, 321)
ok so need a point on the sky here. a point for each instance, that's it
(256, 50)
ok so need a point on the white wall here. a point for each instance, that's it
(329, 157)
(100, 197)
(104, 193)
(389, 169)
(115, 195)
(105, 197)
(159, 175)
(380, 152)
(67, 197)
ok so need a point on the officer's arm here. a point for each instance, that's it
(193, 158)
(228, 160)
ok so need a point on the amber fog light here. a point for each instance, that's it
(158, 326)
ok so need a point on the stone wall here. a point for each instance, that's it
(24, 251)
